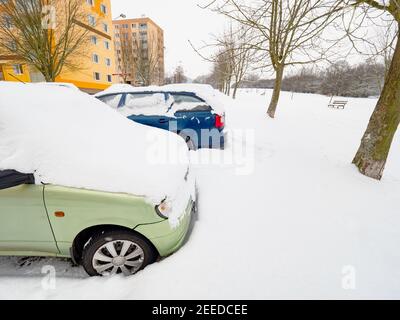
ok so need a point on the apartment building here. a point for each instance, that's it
(139, 43)
(96, 68)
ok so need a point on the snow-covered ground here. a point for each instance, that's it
(299, 222)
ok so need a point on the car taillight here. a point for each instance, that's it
(219, 121)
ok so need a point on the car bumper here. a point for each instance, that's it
(165, 238)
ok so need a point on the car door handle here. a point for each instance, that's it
(163, 120)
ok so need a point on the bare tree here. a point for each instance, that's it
(147, 59)
(222, 71)
(383, 49)
(125, 60)
(375, 146)
(46, 34)
(233, 58)
(288, 31)
(179, 75)
(337, 79)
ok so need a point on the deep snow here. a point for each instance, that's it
(300, 225)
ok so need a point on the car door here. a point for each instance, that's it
(148, 108)
(24, 224)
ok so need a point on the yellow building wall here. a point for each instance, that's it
(84, 78)
(10, 75)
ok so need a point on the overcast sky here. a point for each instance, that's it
(182, 20)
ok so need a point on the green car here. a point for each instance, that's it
(106, 233)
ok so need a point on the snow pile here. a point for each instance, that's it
(72, 139)
(214, 98)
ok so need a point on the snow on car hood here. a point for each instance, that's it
(214, 98)
(71, 139)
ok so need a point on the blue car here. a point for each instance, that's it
(182, 112)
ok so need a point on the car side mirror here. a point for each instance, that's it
(12, 178)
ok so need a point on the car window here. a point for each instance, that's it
(12, 178)
(180, 98)
(144, 100)
(112, 100)
(145, 104)
(183, 103)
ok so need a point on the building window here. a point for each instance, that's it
(96, 76)
(108, 62)
(134, 26)
(93, 39)
(107, 45)
(7, 21)
(95, 58)
(92, 20)
(103, 8)
(17, 69)
(90, 2)
(105, 27)
(13, 45)
(109, 78)
(143, 26)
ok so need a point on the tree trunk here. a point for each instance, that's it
(277, 92)
(235, 90)
(375, 145)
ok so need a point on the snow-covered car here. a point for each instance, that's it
(70, 186)
(60, 84)
(194, 112)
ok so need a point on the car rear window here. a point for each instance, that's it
(185, 103)
(144, 100)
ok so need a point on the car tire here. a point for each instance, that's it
(117, 252)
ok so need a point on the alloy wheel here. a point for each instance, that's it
(120, 256)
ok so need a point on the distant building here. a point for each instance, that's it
(97, 67)
(139, 44)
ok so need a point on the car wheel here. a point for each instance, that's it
(116, 252)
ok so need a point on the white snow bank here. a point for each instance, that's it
(214, 98)
(72, 139)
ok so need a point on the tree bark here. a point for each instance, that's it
(277, 92)
(235, 91)
(375, 145)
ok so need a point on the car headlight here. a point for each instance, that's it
(164, 209)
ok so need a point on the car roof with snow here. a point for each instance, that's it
(205, 92)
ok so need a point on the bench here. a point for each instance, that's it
(338, 104)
